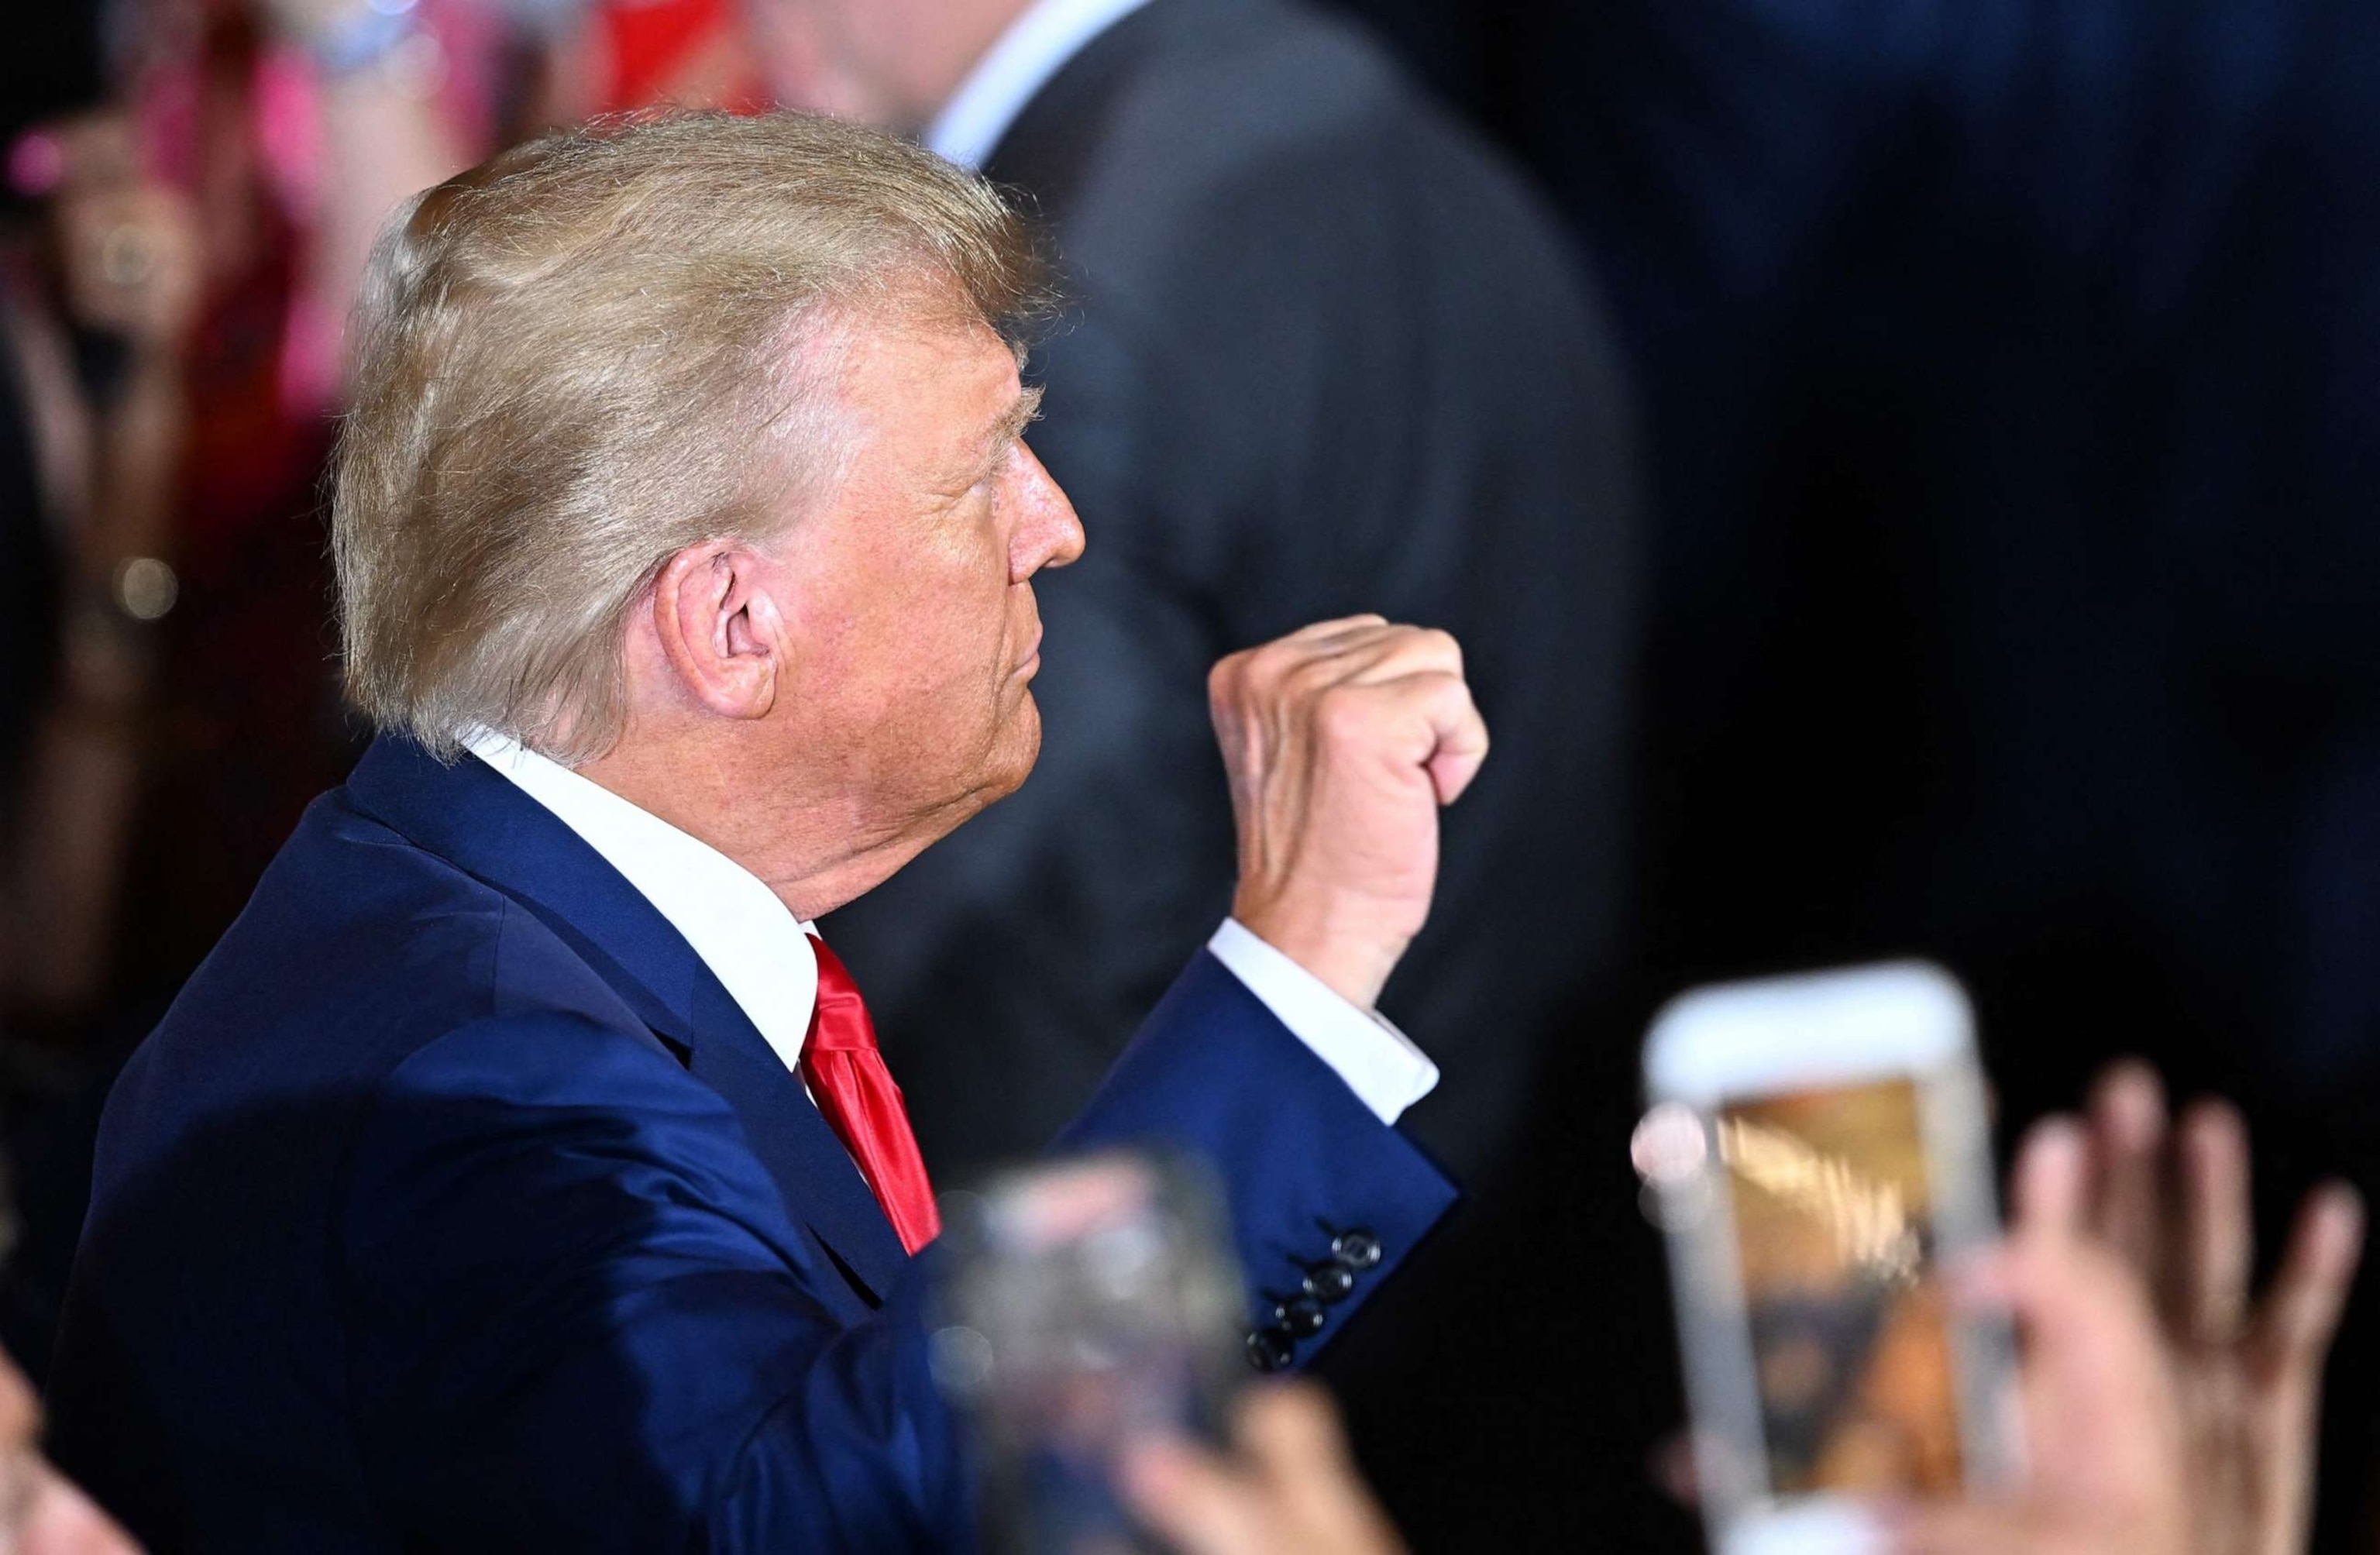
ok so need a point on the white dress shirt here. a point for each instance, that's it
(761, 954)
(1036, 46)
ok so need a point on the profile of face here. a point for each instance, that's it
(913, 634)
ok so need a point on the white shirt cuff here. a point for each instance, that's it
(1379, 1064)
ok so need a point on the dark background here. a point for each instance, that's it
(2010, 373)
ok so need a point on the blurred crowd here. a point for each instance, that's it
(1902, 472)
(191, 192)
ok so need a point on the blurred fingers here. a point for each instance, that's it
(2293, 1331)
(2217, 1246)
(2127, 1207)
(1338, 627)
(2051, 1180)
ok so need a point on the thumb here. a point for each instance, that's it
(1462, 739)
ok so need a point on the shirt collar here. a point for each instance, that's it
(753, 945)
(1036, 46)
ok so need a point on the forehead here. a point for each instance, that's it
(929, 374)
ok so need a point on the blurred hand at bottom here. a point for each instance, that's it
(2172, 1200)
(2102, 1420)
(1290, 1489)
(40, 1511)
(2119, 1464)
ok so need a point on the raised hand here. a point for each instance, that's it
(1342, 742)
(2102, 1421)
(2174, 1204)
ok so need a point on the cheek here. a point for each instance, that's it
(919, 632)
(961, 597)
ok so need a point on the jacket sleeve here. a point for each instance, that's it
(581, 1318)
(1326, 1200)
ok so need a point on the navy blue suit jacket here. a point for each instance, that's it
(456, 1206)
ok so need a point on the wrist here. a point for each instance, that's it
(1347, 953)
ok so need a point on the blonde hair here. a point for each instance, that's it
(587, 354)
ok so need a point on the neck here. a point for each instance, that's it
(815, 852)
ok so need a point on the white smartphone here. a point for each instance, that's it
(1814, 1147)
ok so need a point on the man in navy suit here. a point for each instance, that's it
(519, 1172)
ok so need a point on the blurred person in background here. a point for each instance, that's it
(99, 289)
(195, 184)
(279, 134)
(184, 192)
(100, 292)
(295, 127)
(2008, 373)
(1325, 350)
(201, 220)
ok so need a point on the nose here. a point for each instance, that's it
(1047, 534)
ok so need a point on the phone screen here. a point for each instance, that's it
(1851, 1346)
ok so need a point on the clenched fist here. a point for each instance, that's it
(1342, 742)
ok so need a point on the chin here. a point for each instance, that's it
(1020, 746)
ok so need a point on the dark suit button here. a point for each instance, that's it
(1270, 1350)
(1327, 1282)
(1357, 1249)
(1302, 1316)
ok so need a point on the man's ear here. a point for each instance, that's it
(721, 627)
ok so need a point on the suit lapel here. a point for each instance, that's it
(470, 816)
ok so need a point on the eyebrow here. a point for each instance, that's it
(1021, 413)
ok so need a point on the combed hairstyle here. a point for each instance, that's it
(597, 349)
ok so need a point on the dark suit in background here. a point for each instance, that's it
(1326, 354)
(2010, 376)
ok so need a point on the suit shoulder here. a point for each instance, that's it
(1233, 119)
(359, 946)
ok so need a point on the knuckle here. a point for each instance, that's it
(1341, 716)
(1309, 677)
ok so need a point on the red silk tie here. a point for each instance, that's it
(848, 1080)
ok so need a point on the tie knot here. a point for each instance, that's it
(839, 1020)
